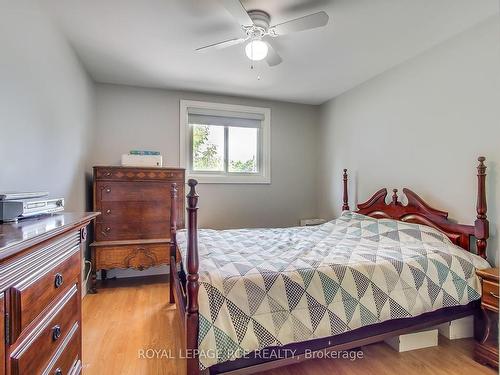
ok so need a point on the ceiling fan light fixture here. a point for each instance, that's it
(256, 25)
(256, 50)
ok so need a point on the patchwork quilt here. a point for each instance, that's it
(271, 287)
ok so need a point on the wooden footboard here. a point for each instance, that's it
(173, 239)
(179, 296)
(186, 297)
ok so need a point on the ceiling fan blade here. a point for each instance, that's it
(237, 11)
(272, 57)
(311, 21)
(224, 44)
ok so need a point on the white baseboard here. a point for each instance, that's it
(121, 273)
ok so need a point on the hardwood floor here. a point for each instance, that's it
(124, 318)
(128, 317)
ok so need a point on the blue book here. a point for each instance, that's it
(143, 152)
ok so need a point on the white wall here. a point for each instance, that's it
(421, 125)
(46, 108)
(139, 118)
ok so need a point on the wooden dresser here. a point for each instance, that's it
(40, 294)
(486, 351)
(134, 228)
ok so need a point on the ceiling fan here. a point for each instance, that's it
(256, 25)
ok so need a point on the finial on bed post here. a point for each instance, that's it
(345, 205)
(192, 284)
(481, 224)
(173, 238)
(395, 196)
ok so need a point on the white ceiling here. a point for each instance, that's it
(151, 42)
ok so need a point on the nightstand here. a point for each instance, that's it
(486, 351)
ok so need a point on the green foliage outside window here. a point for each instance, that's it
(206, 155)
(248, 166)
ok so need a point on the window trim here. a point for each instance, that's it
(264, 145)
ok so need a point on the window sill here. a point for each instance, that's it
(205, 179)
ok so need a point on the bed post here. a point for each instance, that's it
(345, 206)
(481, 224)
(173, 238)
(192, 282)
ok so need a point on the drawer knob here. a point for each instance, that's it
(58, 371)
(495, 295)
(58, 280)
(108, 174)
(108, 211)
(108, 190)
(56, 332)
(108, 229)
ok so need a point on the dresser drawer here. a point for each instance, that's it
(118, 231)
(2, 334)
(132, 191)
(152, 211)
(490, 295)
(131, 174)
(135, 213)
(31, 295)
(67, 359)
(132, 256)
(33, 354)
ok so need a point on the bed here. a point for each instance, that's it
(255, 299)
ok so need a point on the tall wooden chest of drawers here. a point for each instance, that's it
(40, 294)
(134, 228)
(486, 350)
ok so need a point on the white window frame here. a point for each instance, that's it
(264, 175)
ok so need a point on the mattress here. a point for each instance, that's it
(271, 287)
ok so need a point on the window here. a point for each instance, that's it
(222, 143)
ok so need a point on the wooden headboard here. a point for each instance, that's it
(417, 211)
